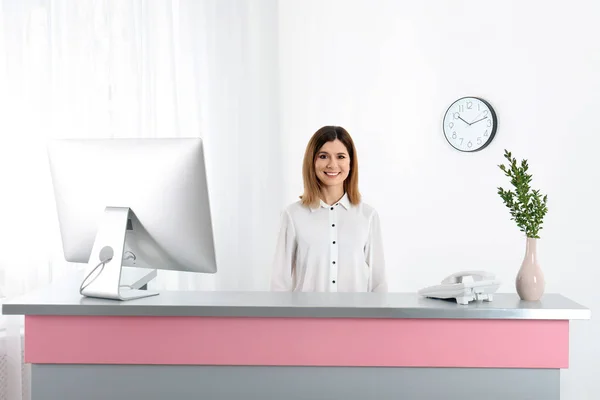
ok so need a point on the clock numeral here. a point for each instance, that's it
(486, 133)
(485, 113)
(456, 115)
(451, 125)
(478, 140)
(453, 135)
(478, 106)
(469, 145)
(461, 108)
(489, 123)
(461, 140)
(469, 104)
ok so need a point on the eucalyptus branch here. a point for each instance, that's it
(527, 206)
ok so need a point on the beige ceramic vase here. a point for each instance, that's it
(530, 280)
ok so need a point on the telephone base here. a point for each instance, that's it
(463, 295)
(482, 288)
(475, 296)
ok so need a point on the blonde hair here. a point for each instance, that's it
(312, 185)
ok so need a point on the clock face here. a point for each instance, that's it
(470, 124)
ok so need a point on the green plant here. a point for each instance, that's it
(527, 206)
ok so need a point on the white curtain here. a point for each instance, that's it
(137, 69)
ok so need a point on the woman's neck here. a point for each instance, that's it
(332, 194)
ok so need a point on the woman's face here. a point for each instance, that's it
(332, 163)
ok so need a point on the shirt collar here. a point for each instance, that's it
(344, 202)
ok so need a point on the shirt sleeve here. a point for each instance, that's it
(375, 258)
(284, 261)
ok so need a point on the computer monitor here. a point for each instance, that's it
(132, 203)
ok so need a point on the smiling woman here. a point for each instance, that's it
(330, 167)
(330, 241)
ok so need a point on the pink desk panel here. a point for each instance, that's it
(477, 343)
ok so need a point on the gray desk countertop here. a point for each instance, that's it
(63, 298)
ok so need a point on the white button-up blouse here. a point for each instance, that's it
(331, 248)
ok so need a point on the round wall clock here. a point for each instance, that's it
(470, 124)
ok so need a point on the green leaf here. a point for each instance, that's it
(527, 206)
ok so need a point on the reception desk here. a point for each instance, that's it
(261, 345)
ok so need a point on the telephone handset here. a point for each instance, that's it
(476, 275)
(464, 286)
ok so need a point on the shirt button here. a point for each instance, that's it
(334, 262)
(334, 242)
(332, 281)
(333, 225)
(332, 208)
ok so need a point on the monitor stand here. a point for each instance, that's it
(106, 262)
(136, 278)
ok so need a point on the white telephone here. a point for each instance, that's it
(464, 286)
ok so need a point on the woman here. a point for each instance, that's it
(329, 241)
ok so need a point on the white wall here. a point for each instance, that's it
(387, 71)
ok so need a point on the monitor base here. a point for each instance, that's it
(136, 278)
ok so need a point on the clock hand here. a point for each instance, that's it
(478, 120)
(477, 116)
(459, 117)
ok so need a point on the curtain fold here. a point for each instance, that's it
(133, 68)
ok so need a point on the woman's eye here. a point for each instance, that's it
(322, 156)
(342, 157)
